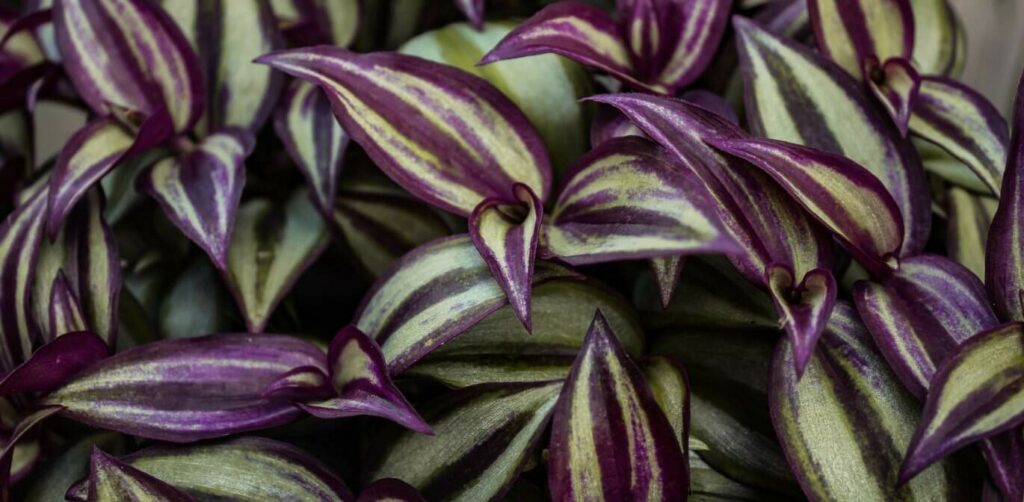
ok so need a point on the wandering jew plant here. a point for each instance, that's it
(355, 250)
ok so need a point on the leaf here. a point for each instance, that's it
(964, 123)
(609, 437)
(850, 32)
(805, 317)
(967, 228)
(270, 248)
(919, 314)
(484, 436)
(506, 236)
(446, 136)
(20, 237)
(200, 190)
(896, 84)
(939, 45)
(628, 199)
(55, 363)
(313, 139)
(189, 389)
(390, 490)
(430, 296)
(110, 480)
(226, 37)
(61, 471)
(667, 272)
(842, 195)
(976, 393)
(671, 389)
(473, 10)
(247, 469)
(360, 378)
(844, 424)
(499, 350)
(1004, 257)
(795, 95)
(20, 450)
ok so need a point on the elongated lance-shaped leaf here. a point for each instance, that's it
(844, 425)
(796, 95)
(381, 225)
(55, 363)
(671, 388)
(473, 10)
(967, 227)
(20, 238)
(506, 235)
(977, 392)
(1004, 264)
(842, 195)
(628, 199)
(20, 444)
(499, 349)
(190, 389)
(896, 84)
(852, 31)
(226, 37)
(939, 41)
(485, 435)
(667, 272)
(68, 467)
(270, 248)
(129, 55)
(111, 480)
(446, 136)
(360, 378)
(920, 313)
(609, 437)
(432, 295)
(65, 313)
(390, 490)
(200, 190)
(964, 123)
(313, 138)
(247, 469)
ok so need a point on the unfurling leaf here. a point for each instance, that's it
(610, 439)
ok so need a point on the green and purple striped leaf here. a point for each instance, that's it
(446, 136)
(55, 363)
(976, 393)
(844, 425)
(390, 490)
(795, 95)
(671, 388)
(667, 272)
(803, 308)
(851, 31)
(20, 238)
(896, 84)
(506, 235)
(965, 124)
(846, 198)
(609, 437)
(129, 55)
(939, 38)
(226, 37)
(190, 389)
(21, 448)
(313, 138)
(65, 313)
(484, 436)
(432, 295)
(111, 480)
(967, 229)
(473, 10)
(499, 350)
(1004, 263)
(360, 378)
(271, 246)
(200, 190)
(247, 469)
(628, 199)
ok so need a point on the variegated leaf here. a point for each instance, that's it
(69, 466)
(190, 389)
(609, 437)
(20, 238)
(465, 143)
(852, 31)
(964, 123)
(314, 140)
(967, 227)
(1004, 257)
(628, 199)
(65, 313)
(272, 245)
(499, 350)
(896, 84)
(847, 383)
(20, 450)
(473, 10)
(227, 36)
(111, 480)
(667, 272)
(128, 55)
(200, 190)
(54, 363)
(485, 436)
(671, 388)
(506, 235)
(976, 393)
(939, 38)
(432, 295)
(795, 95)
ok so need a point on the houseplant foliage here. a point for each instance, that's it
(409, 250)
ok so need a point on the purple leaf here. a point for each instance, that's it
(360, 377)
(474, 10)
(805, 308)
(609, 437)
(190, 389)
(301, 384)
(670, 386)
(609, 124)
(313, 138)
(20, 237)
(65, 312)
(896, 84)
(22, 430)
(446, 136)
(667, 272)
(55, 363)
(111, 480)
(390, 489)
(129, 55)
(1005, 251)
(852, 31)
(200, 190)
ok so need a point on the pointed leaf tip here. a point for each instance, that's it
(806, 308)
(111, 480)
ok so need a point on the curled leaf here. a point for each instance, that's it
(849, 32)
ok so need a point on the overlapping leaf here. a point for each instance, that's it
(20, 238)
(474, 10)
(967, 230)
(1004, 263)
(850, 32)
(111, 480)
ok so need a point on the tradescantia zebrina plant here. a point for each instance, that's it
(526, 250)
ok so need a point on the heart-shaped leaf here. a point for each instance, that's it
(1004, 257)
